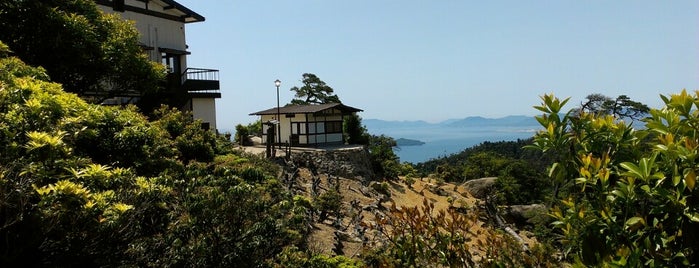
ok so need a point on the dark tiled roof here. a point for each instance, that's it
(190, 16)
(308, 109)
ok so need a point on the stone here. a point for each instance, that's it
(480, 188)
(520, 214)
(348, 163)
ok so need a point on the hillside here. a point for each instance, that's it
(351, 230)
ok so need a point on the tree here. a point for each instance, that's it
(354, 131)
(384, 161)
(621, 107)
(313, 91)
(93, 54)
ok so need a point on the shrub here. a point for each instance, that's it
(628, 200)
(241, 135)
(382, 188)
(423, 237)
(329, 202)
(86, 186)
(384, 161)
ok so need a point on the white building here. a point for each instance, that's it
(162, 27)
(307, 125)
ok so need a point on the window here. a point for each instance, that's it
(333, 127)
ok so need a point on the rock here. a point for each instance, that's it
(520, 214)
(480, 188)
(370, 207)
(255, 140)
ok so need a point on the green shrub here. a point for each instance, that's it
(241, 135)
(420, 236)
(83, 185)
(627, 195)
(384, 161)
(292, 257)
(329, 202)
(382, 188)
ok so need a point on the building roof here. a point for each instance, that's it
(172, 10)
(308, 109)
(189, 15)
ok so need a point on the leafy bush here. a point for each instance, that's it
(519, 183)
(292, 257)
(354, 131)
(241, 135)
(424, 237)
(627, 199)
(329, 202)
(86, 185)
(382, 188)
(384, 161)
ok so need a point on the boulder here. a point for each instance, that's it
(255, 140)
(520, 214)
(480, 188)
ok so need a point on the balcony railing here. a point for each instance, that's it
(202, 82)
(199, 74)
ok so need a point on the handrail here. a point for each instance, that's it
(199, 74)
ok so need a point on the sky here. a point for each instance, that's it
(438, 60)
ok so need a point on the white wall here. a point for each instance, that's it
(205, 109)
(155, 32)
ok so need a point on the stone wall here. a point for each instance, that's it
(348, 162)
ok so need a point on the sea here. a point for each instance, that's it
(444, 141)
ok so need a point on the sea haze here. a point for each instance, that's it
(451, 136)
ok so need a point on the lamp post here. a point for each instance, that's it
(278, 83)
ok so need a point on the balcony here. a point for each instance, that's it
(201, 83)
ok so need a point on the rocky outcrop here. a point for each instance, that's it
(480, 188)
(346, 162)
(520, 214)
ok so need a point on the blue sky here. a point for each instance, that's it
(436, 60)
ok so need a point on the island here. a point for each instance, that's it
(408, 142)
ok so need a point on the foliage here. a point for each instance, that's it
(384, 161)
(381, 188)
(241, 135)
(329, 202)
(408, 169)
(621, 107)
(354, 131)
(502, 150)
(292, 257)
(424, 237)
(518, 180)
(91, 53)
(483, 164)
(243, 131)
(518, 183)
(629, 200)
(87, 185)
(313, 91)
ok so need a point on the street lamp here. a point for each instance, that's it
(278, 83)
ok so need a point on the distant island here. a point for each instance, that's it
(408, 142)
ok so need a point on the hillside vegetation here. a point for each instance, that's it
(89, 185)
